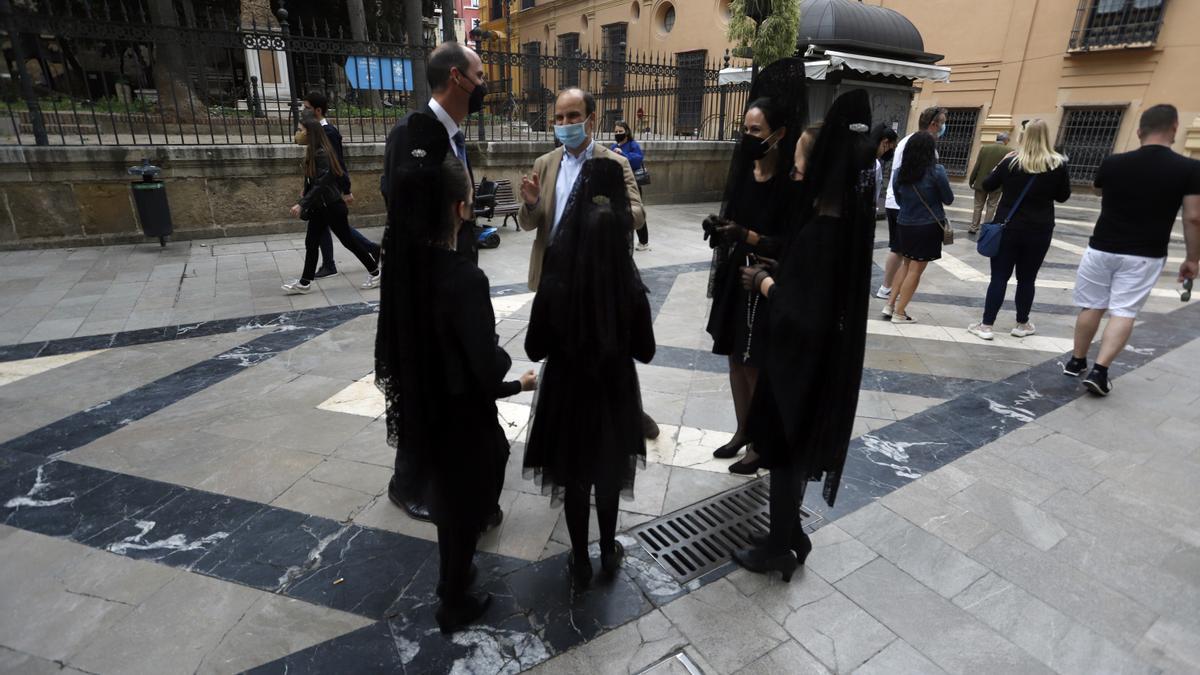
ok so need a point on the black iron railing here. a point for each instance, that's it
(954, 148)
(1103, 24)
(99, 73)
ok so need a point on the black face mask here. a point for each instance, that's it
(755, 147)
(887, 156)
(475, 102)
(620, 137)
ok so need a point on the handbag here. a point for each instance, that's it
(641, 175)
(988, 242)
(947, 231)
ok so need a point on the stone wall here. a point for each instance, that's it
(52, 197)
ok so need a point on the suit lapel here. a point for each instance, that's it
(552, 183)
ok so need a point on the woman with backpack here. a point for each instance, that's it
(1032, 178)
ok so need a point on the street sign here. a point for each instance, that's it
(379, 73)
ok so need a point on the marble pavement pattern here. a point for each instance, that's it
(192, 475)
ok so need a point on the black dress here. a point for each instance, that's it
(738, 322)
(462, 401)
(587, 413)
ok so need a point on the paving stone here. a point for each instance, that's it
(836, 554)
(1053, 638)
(728, 629)
(1011, 514)
(838, 632)
(629, 649)
(929, 510)
(932, 624)
(788, 657)
(1066, 589)
(899, 658)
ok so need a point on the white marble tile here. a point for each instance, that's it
(13, 371)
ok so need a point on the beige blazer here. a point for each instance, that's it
(541, 215)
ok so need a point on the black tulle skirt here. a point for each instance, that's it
(586, 427)
(738, 322)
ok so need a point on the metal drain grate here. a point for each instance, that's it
(700, 538)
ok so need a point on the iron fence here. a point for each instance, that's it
(115, 72)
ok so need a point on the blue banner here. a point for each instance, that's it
(379, 73)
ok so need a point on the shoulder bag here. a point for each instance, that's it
(947, 231)
(641, 175)
(988, 242)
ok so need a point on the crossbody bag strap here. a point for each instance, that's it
(940, 221)
(1020, 198)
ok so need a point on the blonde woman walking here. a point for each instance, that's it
(1041, 174)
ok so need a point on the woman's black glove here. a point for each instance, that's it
(752, 276)
(711, 224)
(732, 233)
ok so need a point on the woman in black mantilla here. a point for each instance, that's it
(803, 410)
(438, 364)
(755, 219)
(590, 320)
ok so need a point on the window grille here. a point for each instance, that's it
(690, 80)
(568, 50)
(532, 67)
(1116, 23)
(954, 148)
(613, 36)
(1087, 136)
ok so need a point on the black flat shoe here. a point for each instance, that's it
(455, 617)
(325, 271)
(730, 449)
(494, 520)
(415, 510)
(759, 561)
(744, 468)
(649, 427)
(472, 574)
(801, 544)
(610, 562)
(581, 572)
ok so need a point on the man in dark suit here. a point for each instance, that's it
(318, 103)
(456, 80)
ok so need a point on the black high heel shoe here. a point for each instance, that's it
(456, 616)
(744, 468)
(760, 561)
(581, 572)
(801, 544)
(730, 449)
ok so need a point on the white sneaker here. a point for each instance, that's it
(372, 281)
(887, 311)
(900, 318)
(642, 247)
(1023, 330)
(297, 287)
(883, 293)
(981, 331)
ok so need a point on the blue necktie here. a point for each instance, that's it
(460, 147)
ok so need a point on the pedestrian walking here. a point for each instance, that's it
(1031, 180)
(884, 139)
(803, 410)
(625, 145)
(322, 206)
(1142, 192)
(590, 321)
(438, 363)
(986, 200)
(318, 103)
(757, 217)
(921, 188)
(933, 122)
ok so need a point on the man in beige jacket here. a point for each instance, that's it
(544, 192)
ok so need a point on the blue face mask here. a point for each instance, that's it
(571, 135)
(942, 131)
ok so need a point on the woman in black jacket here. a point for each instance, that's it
(322, 206)
(1041, 173)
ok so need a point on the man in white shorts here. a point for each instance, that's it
(1142, 192)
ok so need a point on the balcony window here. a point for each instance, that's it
(1103, 24)
(1087, 136)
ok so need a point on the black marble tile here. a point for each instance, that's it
(45, 498)
(370, 649)
(272, 549)
(374, 566)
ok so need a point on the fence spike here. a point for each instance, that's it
(328, 33)
(341, 33)
(142, 13)
(107, 11)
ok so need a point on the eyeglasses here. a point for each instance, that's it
(1186, 293)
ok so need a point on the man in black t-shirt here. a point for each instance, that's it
(1142, 192)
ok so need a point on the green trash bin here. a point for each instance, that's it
(150, 199)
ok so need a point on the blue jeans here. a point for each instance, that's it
(1022, 251)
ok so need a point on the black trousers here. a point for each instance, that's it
(578, 510)
(456, 548)
(643, 232)
(327, 246)
(331, 218)
(787, 493)
(1023, 251)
